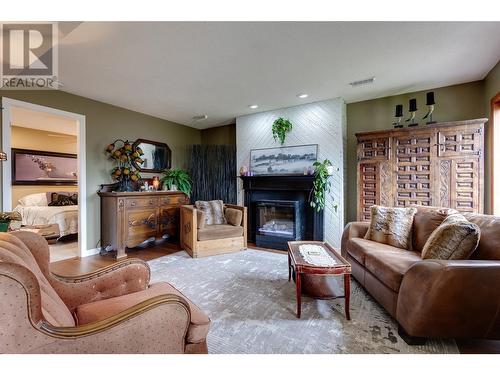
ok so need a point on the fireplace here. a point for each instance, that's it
(279, 210)
(277, 221)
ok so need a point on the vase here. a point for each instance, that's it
(4, 226)
(125, 185)
(173, 187)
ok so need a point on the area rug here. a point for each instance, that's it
(252, 307)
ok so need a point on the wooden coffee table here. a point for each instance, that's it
(303, 270)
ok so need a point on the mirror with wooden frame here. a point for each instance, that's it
(157, 156)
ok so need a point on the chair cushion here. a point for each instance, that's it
(233, 216)
(214, 232)
(214, 211)
(391, 226)
(390, 265)
(94, 311)
(425, 221)
(13, 250)
(455, 238)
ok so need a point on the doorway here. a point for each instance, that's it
(495, 154)
(44, 178)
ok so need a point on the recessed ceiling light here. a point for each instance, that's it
(253, 106)
(200, 117)
(302, 96)
(362, 82)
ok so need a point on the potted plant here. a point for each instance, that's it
(177, 178)
(124, 172)
(281, 127)
(6, 218)
(321, 184)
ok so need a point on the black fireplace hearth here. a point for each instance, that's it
(279, 210)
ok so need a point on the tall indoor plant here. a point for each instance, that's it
(321, 184)
(177, 178)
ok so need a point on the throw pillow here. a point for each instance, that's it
(426, 220)
(62, 200)
(214, 211)
(233, 216)
(391, 226)
(455, 238)
(37, 199)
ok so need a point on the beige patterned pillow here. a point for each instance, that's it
(391, 226)
(214, 211)
(455, 238)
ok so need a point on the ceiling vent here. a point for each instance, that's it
(200, 118)
(362, 82)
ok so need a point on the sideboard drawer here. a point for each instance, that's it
(141, 202)
(174, 200)
(141, 225)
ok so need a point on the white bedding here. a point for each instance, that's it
(65, 216)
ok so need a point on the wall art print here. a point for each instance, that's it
(291, 160)
(30, 167)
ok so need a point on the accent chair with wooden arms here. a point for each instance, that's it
(112, 310)
(200, 239)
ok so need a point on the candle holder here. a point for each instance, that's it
(430, 102)
(398, 116)
(413, 111)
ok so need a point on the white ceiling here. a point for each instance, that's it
(27, 118)
(176, 70)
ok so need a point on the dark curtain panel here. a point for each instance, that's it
(213, 170)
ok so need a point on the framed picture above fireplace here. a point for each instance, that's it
(292, 160)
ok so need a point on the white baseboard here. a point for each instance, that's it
(89, 252)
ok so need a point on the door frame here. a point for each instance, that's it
(7, 104)
(494, 179)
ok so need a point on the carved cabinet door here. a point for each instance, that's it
(413, 169)
(461, 141)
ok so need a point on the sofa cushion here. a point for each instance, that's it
(214, 211)
(455, 238)
(425, 221)
(489, 243)
(390, 265)
(94, 311)
(233, 216)
(358, 248)
(391, 226)
(214, 232)
(55, 312)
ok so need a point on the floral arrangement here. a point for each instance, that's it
(6, 218)
(124, 172)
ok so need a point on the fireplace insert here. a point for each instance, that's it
(277, 222)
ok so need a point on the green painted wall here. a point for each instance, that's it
(221, 135)
(458, 102)
(105, 123)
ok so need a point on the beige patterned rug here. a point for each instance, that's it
(252, 306)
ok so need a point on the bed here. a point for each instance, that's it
(35, 210)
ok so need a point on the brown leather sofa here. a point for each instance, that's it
(112, 310)
(431, 298)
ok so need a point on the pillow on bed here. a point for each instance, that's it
(38, 199)
(53, 196)
(64, 200)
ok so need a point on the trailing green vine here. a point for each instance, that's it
(281, 127)
(321, 185)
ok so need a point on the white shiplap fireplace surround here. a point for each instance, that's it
(322, 123)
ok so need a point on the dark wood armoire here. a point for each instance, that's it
(433, 165)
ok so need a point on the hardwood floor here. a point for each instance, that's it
(76, 266)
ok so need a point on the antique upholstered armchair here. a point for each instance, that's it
(112, 310)
(200, 239)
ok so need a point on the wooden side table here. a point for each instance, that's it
(297, 262)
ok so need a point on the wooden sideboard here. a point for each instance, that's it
(130, 218)
(433, 165)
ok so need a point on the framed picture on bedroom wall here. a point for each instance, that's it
(30, 167)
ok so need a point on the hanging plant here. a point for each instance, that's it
(321, 184)
(281, 127)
